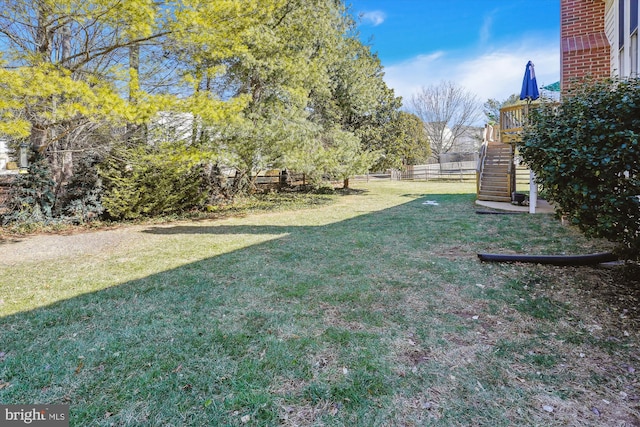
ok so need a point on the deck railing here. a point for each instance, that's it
(512, 121)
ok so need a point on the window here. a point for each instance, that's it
(621, 34)
(633, 41)
(633, 67)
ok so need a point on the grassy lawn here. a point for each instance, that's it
(370, 310)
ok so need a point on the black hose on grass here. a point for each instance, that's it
(562, 260)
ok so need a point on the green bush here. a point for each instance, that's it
(147, 182)
(82, 198)
(32, 197)
(33, 201)
(585, 152)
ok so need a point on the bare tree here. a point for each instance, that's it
(492, 107)
(448, 112)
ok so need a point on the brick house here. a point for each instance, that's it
(599, 38)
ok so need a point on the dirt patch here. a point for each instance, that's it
(42, 247)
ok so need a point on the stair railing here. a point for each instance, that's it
(487, 136)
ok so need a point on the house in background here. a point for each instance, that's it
(4, 154)
(598, 39)
(469, 141)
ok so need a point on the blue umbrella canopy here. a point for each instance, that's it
(529, 84)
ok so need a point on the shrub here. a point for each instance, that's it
(82, 199)
(32, 197)
(585, 152)
(147, 182)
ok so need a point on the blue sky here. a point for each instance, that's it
(482, 45)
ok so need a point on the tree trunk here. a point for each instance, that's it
(134, 84)
(66, 43)
(345, 183)
(44, 37)
(134, 70)
(38, 136)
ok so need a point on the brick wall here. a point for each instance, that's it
(584, 48)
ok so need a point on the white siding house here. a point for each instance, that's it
(621, 27)
(4, 154)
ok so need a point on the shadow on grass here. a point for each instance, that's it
(298, 329)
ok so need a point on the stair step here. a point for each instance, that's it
(494, 198)
(497, 193)
(495, 173)
(495, 177)
(495, 184)
(494, 190)
(500, 194)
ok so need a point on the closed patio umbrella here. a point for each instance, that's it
(529, 84)
(530, 93)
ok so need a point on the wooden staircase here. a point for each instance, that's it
(495, 172)
(497, 175)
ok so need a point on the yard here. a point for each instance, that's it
(371, 309)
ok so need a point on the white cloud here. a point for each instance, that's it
(485, 30)
(493, 73)
(374, 18)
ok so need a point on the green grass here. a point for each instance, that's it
(362, 309)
